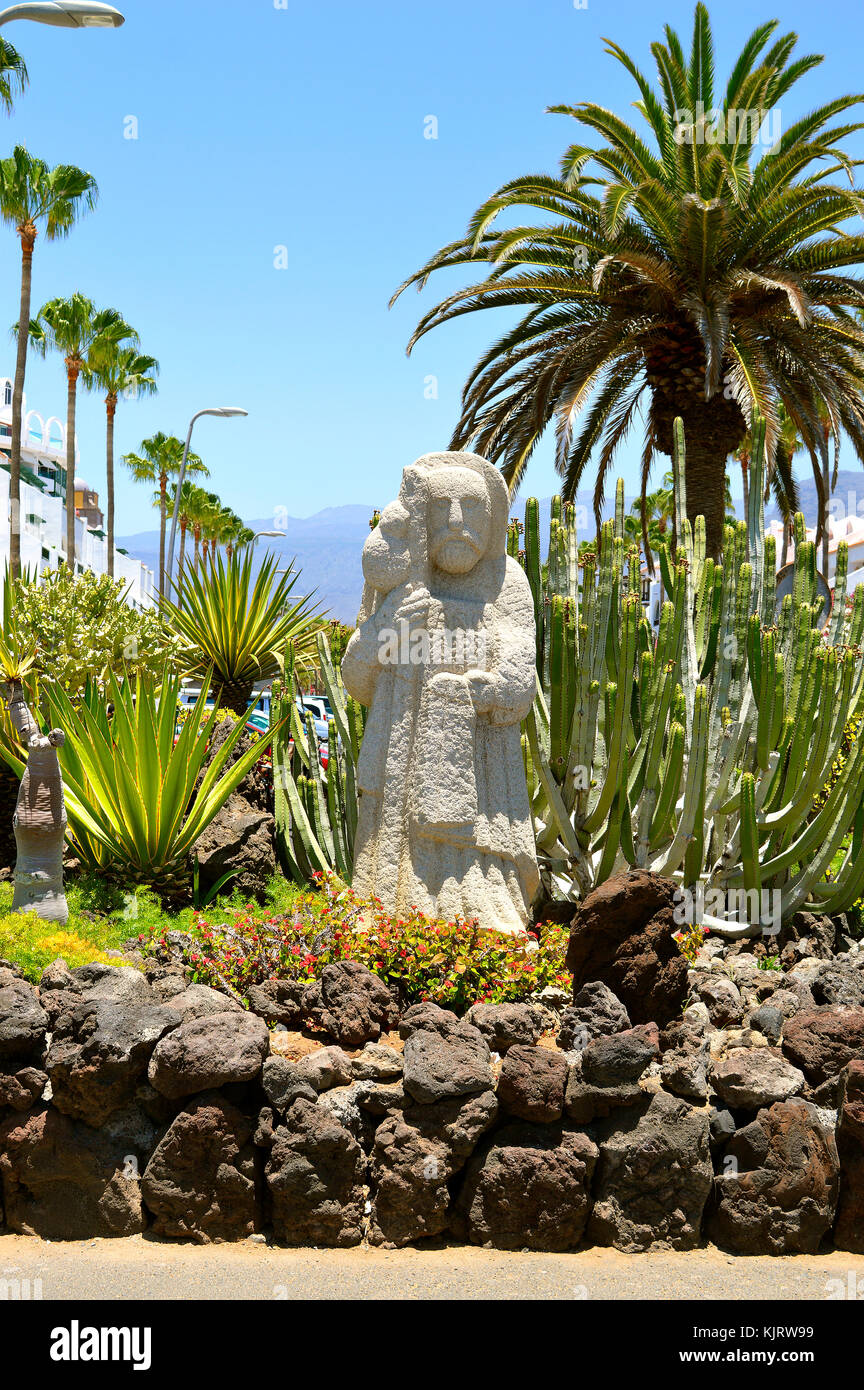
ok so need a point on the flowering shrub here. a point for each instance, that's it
(454, 964)
(690, 941)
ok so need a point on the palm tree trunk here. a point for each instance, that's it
(196, 532)
(705, 479)
(163, 512)
(72, 370)
(28, 239)
(232, 695)
(110, 411)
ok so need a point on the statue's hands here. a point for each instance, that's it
(56, 738)
(452, 686)
(482, 689)
(415, 608)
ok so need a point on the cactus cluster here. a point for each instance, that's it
(315, 811)
(701, 751)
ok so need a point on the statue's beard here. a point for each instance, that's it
(457, 554)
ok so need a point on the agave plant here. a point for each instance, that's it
(131, 797)
(237, 629)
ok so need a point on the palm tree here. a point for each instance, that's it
(74, 327)
(160, 458)
(31, 193)
(211, 511)
(228, 529)
(185, 518)
(13, 75)
(688, 270)
(198, 509)
(118, 369)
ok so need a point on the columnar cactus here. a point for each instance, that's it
(700, 752)
(316, 816)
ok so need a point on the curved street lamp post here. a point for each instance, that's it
(224, 412)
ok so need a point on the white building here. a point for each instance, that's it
(43, 509)
(848, 528)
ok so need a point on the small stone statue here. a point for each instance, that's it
(443, 656)
(39, 820)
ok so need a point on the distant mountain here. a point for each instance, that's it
(327, 546)
(847, 499)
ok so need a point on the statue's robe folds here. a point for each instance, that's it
(444, 821)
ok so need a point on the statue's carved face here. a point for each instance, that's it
(458, 519)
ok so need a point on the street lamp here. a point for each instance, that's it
(67, 14)
(259, 534)
(223, 411)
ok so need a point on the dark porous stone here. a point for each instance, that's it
(200, 1181)
(64, 1181)
(315, 1176)
(23, 1021)
(209, 1052)
(822, 1041)
(622, 935)
(442, 1067)
(595, 1012)
(350, 1004)
(653, 1178)
(528, 1188)
(416, 1153)
(100, 1050)
(506, 1025)
(849, 1227)
(532, 1083)
(283, 1082)
(776, 1190)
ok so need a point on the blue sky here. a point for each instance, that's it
(301, 126)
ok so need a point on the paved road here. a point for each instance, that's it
(151, 1269)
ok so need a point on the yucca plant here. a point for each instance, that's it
(236, 629)
(131, 798)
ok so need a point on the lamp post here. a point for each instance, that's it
(224, 412)
(66, 14)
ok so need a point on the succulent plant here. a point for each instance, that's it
(699, 752)
(316, 810)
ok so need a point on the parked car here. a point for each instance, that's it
(319, 707)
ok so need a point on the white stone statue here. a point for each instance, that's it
(443, 656)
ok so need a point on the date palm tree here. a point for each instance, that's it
(74, 327)
(680, 268)
(33, 195)
(118, 369)
(160, 459)
(13, 75)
